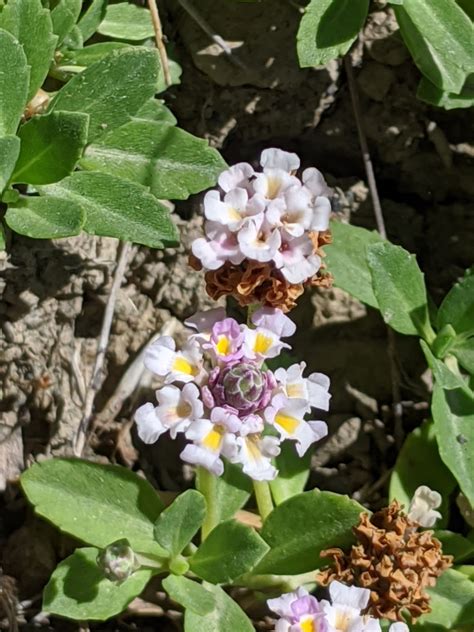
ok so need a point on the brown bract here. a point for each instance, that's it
(254, 282)
(394, 560)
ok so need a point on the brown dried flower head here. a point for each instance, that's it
(394, 560)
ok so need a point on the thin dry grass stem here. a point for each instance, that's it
(97, 373)
(155, 18)
(397, 408)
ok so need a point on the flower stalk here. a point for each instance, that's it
(263, 496)
(206, 483)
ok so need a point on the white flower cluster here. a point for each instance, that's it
(266, 216)
(231, 405)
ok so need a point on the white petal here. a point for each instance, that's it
(235, 176)
(159, 355)
(300, 270)
(318, 385)
(399, 627)
(149, 427)
(203, 322)
(279, 159)
(207, 253)
(275, 320)
(352, 596)
(423, 505)
(315, 182)
(321, 214)
(200, 456)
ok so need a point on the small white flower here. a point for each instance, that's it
(210, 441)
(287, 416)
(321, 212)
(220, 246)
(273, 158)
(275, 320)
(261, 343)
(203, 322)
(273, 183)
(258, 241)
(295, 259)
(234, 211)
(344, 613)
(162, 359)
(315, 182)
(293, 212)
(177, 409)
(313, 389)
(236, 176)
(423, 505)
(256, 453)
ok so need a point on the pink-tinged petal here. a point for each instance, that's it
(207, 253)
(315, 182)
(273, 158)
(204, 321)
(274, 320)
(224, 417)
(149, 427)
(351, 596)
(282, 605)
(250, 424)
(236, 176)
(197, 455)
(273, 183)
(321, 214)
(160, 354)
(298, 269)
(257, 242)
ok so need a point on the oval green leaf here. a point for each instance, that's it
(227, 616)
(178, 524)
(189, 594)
(14, 80)
(45, 218)
(9, 152)
(452, 603)
(127, 22)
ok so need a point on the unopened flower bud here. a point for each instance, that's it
(118, 561)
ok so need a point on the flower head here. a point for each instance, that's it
(299, 612)
(228, 404)
(269, 218)
(423, 505)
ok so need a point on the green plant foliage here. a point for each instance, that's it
(167, 159)
(64, 17)
(452, 602)
(456, 545)
(453, 414)
(419, 463)
(126, 21)
(97, 504)
(293, 473)
(302, 526)
(111, 90)
(347, 260)
(155, 110)
(400, 290)
(92, 17)
(9, 152)
(439, 36)
(226, 616)
(14, 80)
(233, 489)
(230, 550)
(328, 29)
(117, 208)
(31, 24)
(430, 93)
(189, 594)
(84, 57)
(457, 310)
(179, 523)
(78, 589)
(45, 217)
(51, 145)
(2, 238)
(444, 376)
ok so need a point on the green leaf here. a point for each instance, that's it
(111, 90)
(233, 489)
(328, 29)
(84, 57)
(178, 524)
(155, 110)
(302, 526)
(456, 545)
(189, 594)
(347, 260)
(78, 589)
(419, 463)
(453, 414)
(45, 218)
(127, 22)
(98, 504)
(438, 35)
(230, 550)
(452, 602)
(9, 152)
(90, 20)
(73, 40)
(175, 75)
(51, 145)
(167, 159)
(400, 290)
(117, 208)
(227, 616)
(3, 241)
(293, 473)
(444, 376)
(64, 17)
(13, 82)
(457, 308)
(430, 93)
(31, 24)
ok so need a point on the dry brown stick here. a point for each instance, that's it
(155, 18)
(372, 182)
(97, 377)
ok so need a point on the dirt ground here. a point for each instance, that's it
(54, 293)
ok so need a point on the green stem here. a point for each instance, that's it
(206, 484)
(263, 497)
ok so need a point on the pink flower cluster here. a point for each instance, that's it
(301, 612)
(220, 394)
(266, 216)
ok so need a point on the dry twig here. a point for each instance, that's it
(155, 18)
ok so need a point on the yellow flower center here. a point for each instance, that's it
(289, 424)
(181, 365)
(262, 343)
